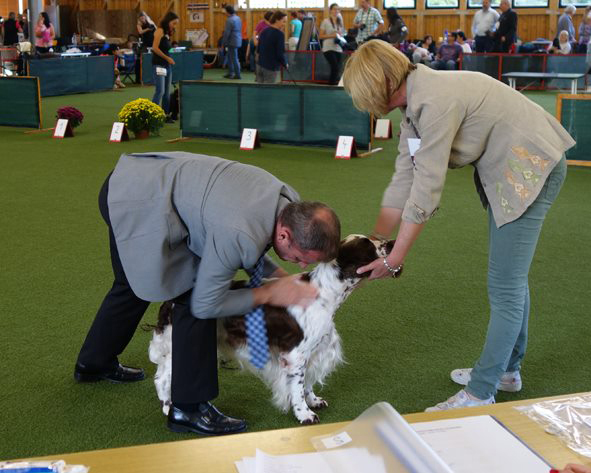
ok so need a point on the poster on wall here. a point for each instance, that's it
(197, 37)
(197, 16)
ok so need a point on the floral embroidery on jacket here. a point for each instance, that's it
(522, 153)
(522, 191)
(504, 202)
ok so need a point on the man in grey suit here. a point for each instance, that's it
(180, 226)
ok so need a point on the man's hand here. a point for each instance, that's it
(285, 291)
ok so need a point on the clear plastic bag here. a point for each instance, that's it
(58, 466)
(568, 418)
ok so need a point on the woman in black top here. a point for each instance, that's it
(146, 29)
(162, 63)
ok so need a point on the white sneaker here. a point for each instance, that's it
(459, 400)
(510, 381)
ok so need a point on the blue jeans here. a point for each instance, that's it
(233, 63)
(162, 83)
(511, 251)
(442, 65)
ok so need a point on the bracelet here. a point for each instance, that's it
(394, 272)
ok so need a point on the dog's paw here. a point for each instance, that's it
(309, 420)
(318, 403)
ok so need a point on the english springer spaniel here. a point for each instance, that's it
(303, 342)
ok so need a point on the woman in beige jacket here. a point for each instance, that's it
(451, 119)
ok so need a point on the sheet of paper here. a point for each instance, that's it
(346, 460)
(413, 146)
(480, 444)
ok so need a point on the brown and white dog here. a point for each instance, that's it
(304, 344)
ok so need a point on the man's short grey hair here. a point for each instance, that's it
(570, 9)
(314, 227)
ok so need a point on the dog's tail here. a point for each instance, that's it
(164, 318)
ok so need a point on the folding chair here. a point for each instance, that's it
(127, 67)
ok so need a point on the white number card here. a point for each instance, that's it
(62, 129)
(346, 148)
(250, 139)
(383, 130)
(119, 133)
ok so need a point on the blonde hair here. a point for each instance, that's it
(373, 73)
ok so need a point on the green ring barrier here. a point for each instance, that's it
(21, 103)
(188, 66)
(297, 115)
(574, 113)
(73, 75)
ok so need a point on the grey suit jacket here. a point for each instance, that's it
(465, 118)
(184, 220)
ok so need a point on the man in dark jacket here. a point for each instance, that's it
(507, 31)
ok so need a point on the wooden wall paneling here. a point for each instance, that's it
(436, 24)
(411, 23)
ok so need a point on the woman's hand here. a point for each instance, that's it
(378, 269)
(170, 60)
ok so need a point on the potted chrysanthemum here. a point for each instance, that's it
(72, 114)
(143, 117)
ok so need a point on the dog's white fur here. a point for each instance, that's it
(291, 376)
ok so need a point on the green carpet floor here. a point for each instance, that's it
(401, 338)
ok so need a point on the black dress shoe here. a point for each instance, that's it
(120, 374)
(207, 420)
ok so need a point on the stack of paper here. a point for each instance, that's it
(350, 459)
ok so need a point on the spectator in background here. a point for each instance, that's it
(429, 44)
(24, 22)
(460, 38)
(295, 26)
(11, 30)
(421, 55)
(483, 27)
(507, 28)
(368, 22)
(44, 33)
(397, 30)
(232, 40)
(145, 28)
(564, 46)
(331, 31)
(565, 22)
(272, 50)
(162, 63)
(244, 45)
(585, 31)
(448, 55)
(263, 24)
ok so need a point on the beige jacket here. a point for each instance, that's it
(470, 118)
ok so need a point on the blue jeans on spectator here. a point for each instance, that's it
(442, 65)
(233, 63)
(511, 250)
(162, 83)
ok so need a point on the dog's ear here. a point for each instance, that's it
(354, 254)
(390, 245)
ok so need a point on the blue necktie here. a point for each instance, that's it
(256, 329)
